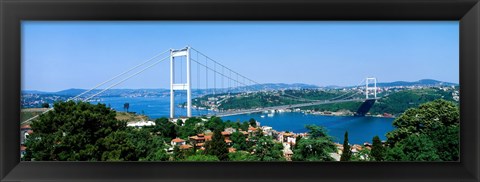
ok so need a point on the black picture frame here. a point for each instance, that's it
(12, 12)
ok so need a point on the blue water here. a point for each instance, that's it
(153, 107)
(360, 129)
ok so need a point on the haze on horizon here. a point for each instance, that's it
(59, 55)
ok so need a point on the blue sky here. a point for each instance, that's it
(59, 55)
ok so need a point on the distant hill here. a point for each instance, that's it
(70, 92)
(278, 86)
(424, 82)
(33, 92)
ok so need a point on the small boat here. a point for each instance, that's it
(270, 115)
(262, 116)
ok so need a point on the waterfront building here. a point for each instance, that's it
(139, 124)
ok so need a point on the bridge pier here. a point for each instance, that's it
(185, 52)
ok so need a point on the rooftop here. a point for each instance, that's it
(178, 140)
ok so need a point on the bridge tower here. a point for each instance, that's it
(368, 81)
(185, 52)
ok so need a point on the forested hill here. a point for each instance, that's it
(392, 101)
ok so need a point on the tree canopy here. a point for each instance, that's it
(80, 131)
(316, 147)
(347, 153)
(217, 146)
(434, 125)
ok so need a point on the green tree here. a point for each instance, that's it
(347, 153)
(435, 122)
(120, 147)
(252, 122)
(316, 147)
(362, 155)
(165, 128)
(217, 146)
(244, 126)
(192, 126)
(179, 122)
(73, 131)
(447, 142)
(266, 149)
(413, 148)
(215, 123)
(241, 156)
(178, 154)
(428, 117)
(378, 151)
(156, 152)
(239, 141)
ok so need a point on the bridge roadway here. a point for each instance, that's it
(248, 111)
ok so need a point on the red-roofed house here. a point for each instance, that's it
(178, 142)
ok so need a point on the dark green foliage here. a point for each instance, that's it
(85, 132)
(447, 142)
(346, 153)
(217, 146)
(71, 132)
(435, 123)
(362, 155)
(165, 128)
(265, 149)
(241, 156)
(317, 131)
(316, 147)
(178, 154)
(413, 148)
(191, 127)
(252, 122)
(239, 141)
(154, 149)
(244, 126)
(378, 151)
(215, 123)
(399, 102)
(179, 122)
(118, 147)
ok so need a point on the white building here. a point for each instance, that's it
(140, 124)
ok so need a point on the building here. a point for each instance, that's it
(199, 140)
(251, 131)
(288, 138)
(230, 129)
(25, 131)
(139, 124)
(185, 147)
(267, 130)
(226, 134)
(177, 142)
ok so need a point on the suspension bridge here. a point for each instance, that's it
(213, 78)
